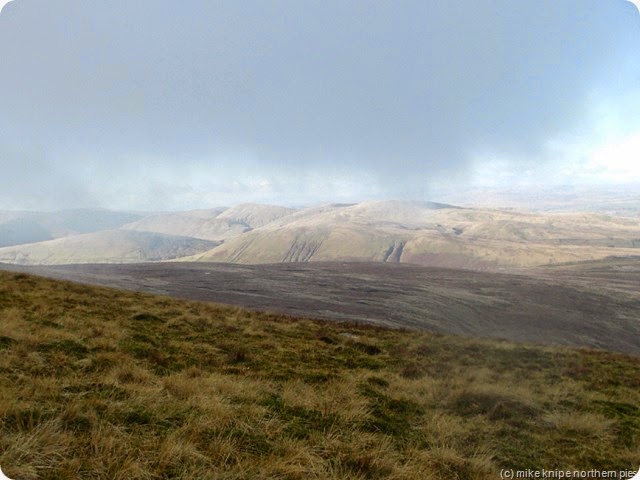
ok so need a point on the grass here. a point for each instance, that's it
(103, 384)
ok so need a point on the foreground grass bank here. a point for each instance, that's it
(102, 384)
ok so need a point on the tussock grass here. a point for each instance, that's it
(102, 384)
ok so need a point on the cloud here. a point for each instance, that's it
(112, 99)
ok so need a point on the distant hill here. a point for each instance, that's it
(214, 224)
(425, 233)
(202, 224)
(255, 215)
(22, 230)
(110, 246)
(619, 200)
(19, 227)
(431, 234)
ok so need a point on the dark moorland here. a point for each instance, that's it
(590, 304)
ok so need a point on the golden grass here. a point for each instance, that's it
(102, 384)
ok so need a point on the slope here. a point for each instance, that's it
(96, 383)
(213, 224)
(19, 227)
(431, 234)
(109, 246)
(554, 306)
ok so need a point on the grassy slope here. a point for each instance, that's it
(97, 383)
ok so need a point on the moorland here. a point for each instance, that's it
(105, 384)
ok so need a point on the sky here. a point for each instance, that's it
(158, 105)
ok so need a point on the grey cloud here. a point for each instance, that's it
(405, 92)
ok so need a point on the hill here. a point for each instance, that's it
(213, 224)
(16, 231)
(431, 234)
(618, 200)
(200, 224)
(19, 227)
(98, 383)
(423, 233)
(254, 215)
(110, 246)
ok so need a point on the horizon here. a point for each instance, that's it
(472, 197)
(471, 194)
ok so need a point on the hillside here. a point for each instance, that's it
(200, 224)
(110, 246)
(19, 227)
(585, 305)
(16, 231)
(214, 224)
(423, 233)
(431, 234)
(255, 215)
(98, 383)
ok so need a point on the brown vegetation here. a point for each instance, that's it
(593, 305)
(422, 233)
(102, 384)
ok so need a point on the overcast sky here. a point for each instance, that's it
(151, 104)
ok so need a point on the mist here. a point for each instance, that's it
(170, 105)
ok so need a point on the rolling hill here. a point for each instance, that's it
(16, 231)
(201, 224)
(424, 233)
(110, 246)
(213, 224)
(431, 234)
(19, 227)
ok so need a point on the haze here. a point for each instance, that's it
(159, 105)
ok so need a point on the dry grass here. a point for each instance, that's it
(102, 384)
